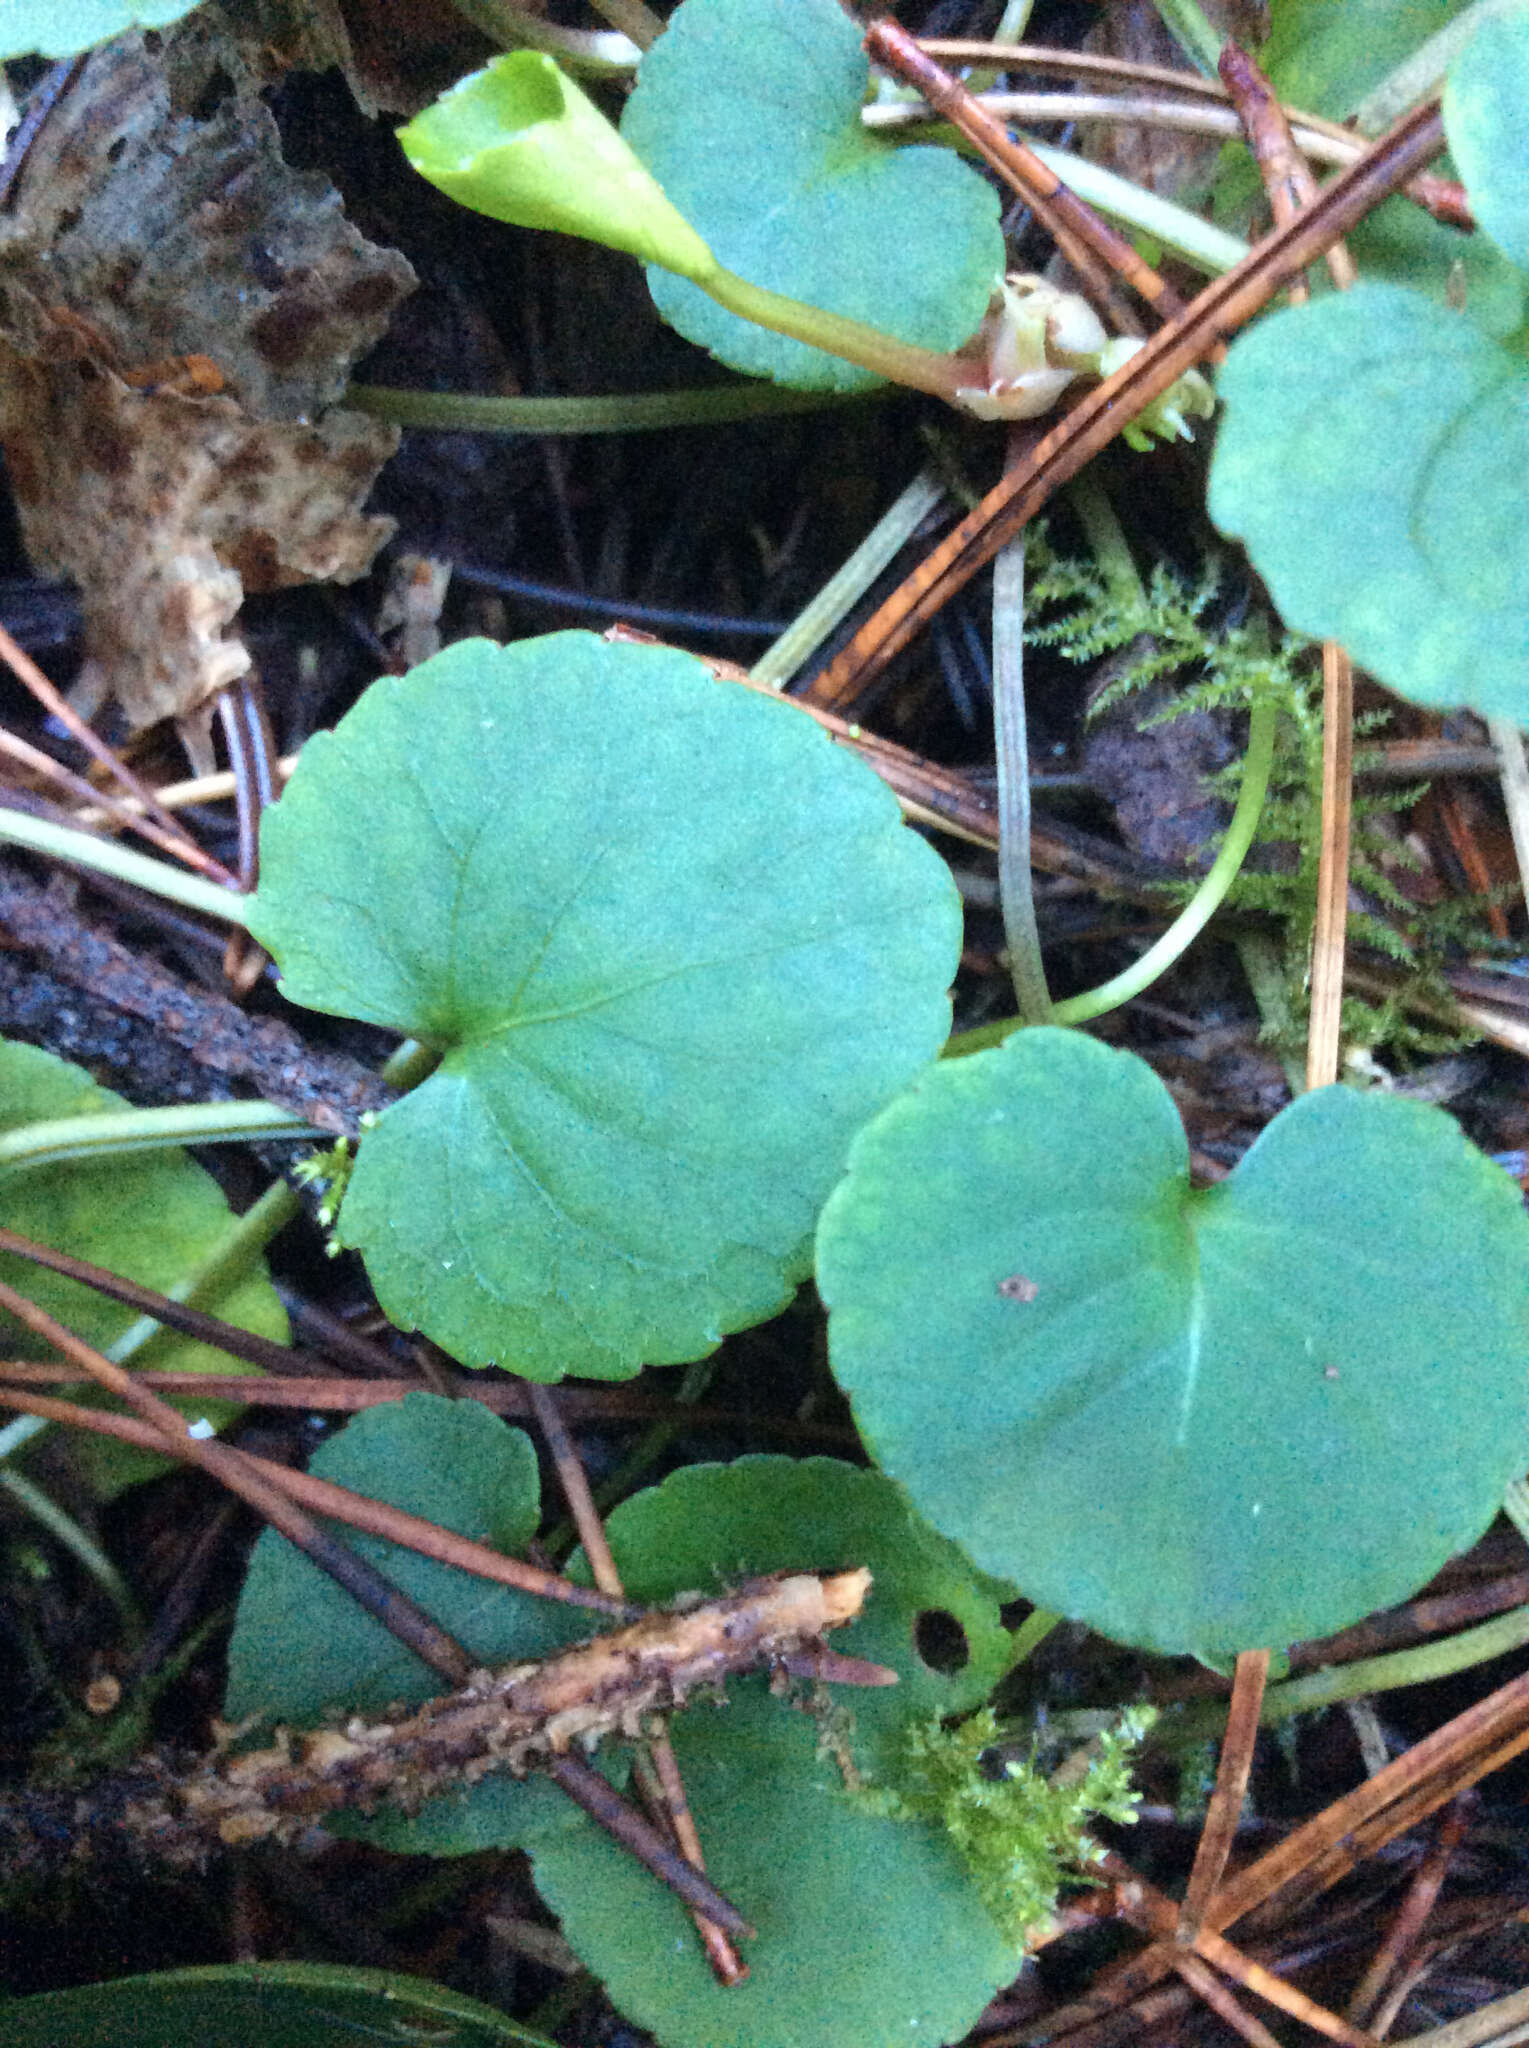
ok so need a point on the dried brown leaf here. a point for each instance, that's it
(178, 309)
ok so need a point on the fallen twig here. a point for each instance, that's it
(326, 1089)
(515, 1719)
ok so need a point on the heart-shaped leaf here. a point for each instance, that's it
(151, 1216)
(302, 1646)
(849, 1904)
(1372, 459)
(676, 947)
(1199, 1421)
(747, 112)
(1484, 101)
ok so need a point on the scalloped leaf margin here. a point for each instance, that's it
(674, 947)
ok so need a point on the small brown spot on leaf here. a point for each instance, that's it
(1018, 1288)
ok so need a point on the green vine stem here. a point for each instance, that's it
(620, 412)
(106, 857)
(921, 369)
(1029, 1636)
(146, 1130)
(1189, 923)
(1107, 543)
(849, 583)
(1186, 23)
(1338, 1682)
(68, 1534)
(247, 1236)
(230, 1260)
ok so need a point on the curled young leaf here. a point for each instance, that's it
(520, 142)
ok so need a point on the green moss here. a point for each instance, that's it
(1221, 667)
(1023, 1835)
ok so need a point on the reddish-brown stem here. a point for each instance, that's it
(1206, 1985)
(175, 1315)
(323, 1497)
(387, 1603)
(241, 1475)
(625, 1824)
(1324, 1029)
(1214, 316)
(1444, 198)
(1411, 1916)
(1096, 250)
(727, 1965)
(1291, 187)
(64, 779)
(1286, 175)
(606, 1405)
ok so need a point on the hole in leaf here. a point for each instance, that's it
(940, 1640)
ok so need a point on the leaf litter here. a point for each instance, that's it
(179, 312)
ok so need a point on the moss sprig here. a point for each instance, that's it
(1022, 1834)
(1226, 667)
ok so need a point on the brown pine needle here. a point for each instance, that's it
(1225, 1810)
(26, 672)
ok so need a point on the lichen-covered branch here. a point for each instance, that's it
(512, 1719)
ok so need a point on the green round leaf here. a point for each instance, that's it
(713, 1524)
(280, 2005)
(1372, 459)
(850, 1906)
(1326, 59)
(1484, 101)
(150, 1216)
(676, 947)
(1199, 1421)
(748, 114)
(302, 1646)
(57, 28)
(520, 142)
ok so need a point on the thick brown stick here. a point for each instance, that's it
(514, 1719)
